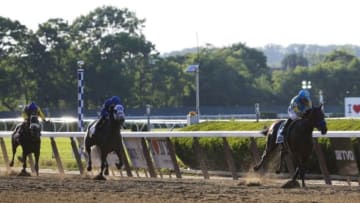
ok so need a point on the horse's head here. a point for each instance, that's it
(34, 125)
(118, 113)
(317, 117)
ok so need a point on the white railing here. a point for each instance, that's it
(330, 134)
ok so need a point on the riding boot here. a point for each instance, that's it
(286, 125)
(281, 135)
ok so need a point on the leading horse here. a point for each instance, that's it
(298, 141)
(28, 136)
(107, 138)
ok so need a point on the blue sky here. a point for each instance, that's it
(177, 24)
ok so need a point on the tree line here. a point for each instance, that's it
(41, 66)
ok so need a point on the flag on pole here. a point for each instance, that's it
(192, 68)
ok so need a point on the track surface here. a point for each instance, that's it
(54, 188)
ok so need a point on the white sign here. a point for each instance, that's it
(344, 155)
(135, 151)
(160, 153)
(352, 106)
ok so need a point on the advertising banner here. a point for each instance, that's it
(135, 152)
(345, 157)
(160, 153)
(352, 107)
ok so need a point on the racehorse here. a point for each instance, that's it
(107, 138)
(28, 136)
(298, 141)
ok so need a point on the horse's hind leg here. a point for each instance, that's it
(268, 149)
(88, 151)
(283, 153)
(296, 174)
(14, 147)
(23, 171)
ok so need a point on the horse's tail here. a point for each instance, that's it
(269, 130)
(265, 130)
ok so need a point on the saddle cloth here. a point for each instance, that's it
(279, 135)
(92, 131)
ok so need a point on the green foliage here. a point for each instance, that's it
(41, 66)
(240, 147)
(293, 60)
(212, 147)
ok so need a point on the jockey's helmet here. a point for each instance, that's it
(304, 94)
(32, 106)
(115, 100)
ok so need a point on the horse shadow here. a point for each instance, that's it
(107, 139)
(298, 142)
(27, 135)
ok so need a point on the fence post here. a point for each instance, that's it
(148, 158)
(5, 155)
(57, 155)
(173, 158)
(124, 159)
(322, 162)
(77, 155)
(229, 159)
(201, 157)
(254, 150)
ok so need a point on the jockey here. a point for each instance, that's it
(32, 109)
(28, 111)
(298, 106)
(105, 110)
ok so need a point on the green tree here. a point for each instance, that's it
(17, 84)
(293, 60)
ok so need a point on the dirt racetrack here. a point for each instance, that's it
(53, 188)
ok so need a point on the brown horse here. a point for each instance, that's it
(28, 136)
(298, 140)
(107, 138)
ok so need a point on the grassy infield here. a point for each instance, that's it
(48, 161)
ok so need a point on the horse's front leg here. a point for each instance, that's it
(100, 176)
(37, 155)
(106, 170)
(88, 151)
(302, 174)
(14, 147)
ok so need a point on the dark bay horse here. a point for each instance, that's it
(107, 138)
(28, 136)
(298, 141)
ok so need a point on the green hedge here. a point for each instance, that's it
(240, 147)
